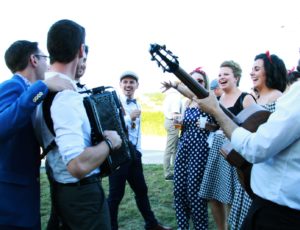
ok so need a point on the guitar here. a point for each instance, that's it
(250, 118)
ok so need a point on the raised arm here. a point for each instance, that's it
(181, 88)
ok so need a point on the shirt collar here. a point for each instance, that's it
(53, 73)
(26, 81)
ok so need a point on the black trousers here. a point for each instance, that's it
(266, 215)
(133, 173)
(81, 207)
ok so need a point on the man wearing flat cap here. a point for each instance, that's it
(133, 170)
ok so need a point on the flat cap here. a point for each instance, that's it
(129, 74)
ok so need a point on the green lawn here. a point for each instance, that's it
(153, 123)
(160, 195)
(152, 114)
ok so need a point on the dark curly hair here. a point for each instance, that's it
(276, 72)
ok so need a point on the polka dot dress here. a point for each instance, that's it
(189, 168)
(242, 201)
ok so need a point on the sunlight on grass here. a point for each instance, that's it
(153, 123)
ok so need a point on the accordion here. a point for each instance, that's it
(105, 113)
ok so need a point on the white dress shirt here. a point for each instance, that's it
(275, 151)
(172, 103)
(134, 131)
(72, 129)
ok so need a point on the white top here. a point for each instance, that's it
(275, 151)
(133, 131)
(172, 103)
(72, 129)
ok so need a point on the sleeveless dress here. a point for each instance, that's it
(220, 178)
(241, 201)
(190, 162)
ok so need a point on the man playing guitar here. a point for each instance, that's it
(274, 153)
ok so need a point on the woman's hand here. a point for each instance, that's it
(167, 85)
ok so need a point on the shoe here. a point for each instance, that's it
(169, 177)
(160, 227)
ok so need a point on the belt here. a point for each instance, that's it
(87, 180)
(263, 202)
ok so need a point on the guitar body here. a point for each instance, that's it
(250, 118)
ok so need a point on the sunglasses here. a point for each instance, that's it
(200, 81)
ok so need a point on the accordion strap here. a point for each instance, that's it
(97, 90)
(48, 120)
(46, 111)
(48, 149)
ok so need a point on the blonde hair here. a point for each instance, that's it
(236, 69)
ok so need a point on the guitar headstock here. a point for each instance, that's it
(164, 58)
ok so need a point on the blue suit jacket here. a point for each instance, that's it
(19, 153)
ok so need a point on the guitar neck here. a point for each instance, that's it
(198, 90)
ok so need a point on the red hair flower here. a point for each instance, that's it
(268, 56)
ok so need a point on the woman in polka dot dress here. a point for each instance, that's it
(191, 158)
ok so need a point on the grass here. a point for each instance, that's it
(160, 195)
(153, 123)
(152, 114)
(156, 98)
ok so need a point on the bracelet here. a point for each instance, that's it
(109, 144)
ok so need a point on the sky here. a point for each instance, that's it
(200, 33)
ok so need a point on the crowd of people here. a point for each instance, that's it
(201, 175)
(220, 183)
(38, 91)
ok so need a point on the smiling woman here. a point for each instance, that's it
(269, 76)
(220, 177)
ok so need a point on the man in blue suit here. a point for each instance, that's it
(19, 149)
